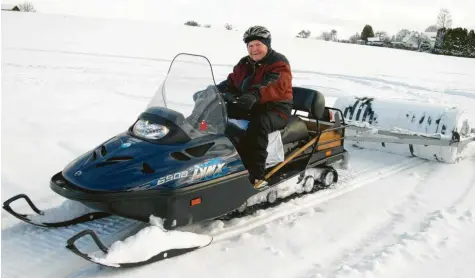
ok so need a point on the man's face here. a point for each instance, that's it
(257, 50)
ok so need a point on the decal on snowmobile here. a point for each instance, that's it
(172, 177)
(211, 169)
(133, 140)
(142, 187)
(129, 142)
(208, 171)
(126, 145)
(205, 171)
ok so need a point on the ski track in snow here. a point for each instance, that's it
(27, 249)
(363, 251)
(417, 215)
(460, 93)
(434, 233)
(349, 182)
(368, 81)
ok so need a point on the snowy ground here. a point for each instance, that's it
(69, 83)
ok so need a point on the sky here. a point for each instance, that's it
(280, 16)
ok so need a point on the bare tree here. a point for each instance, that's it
(382, 35)
(334, 35)
(27, 7)
(354, 38)
(228, 26)
(444, 19)
(207, 26)
(326, 36)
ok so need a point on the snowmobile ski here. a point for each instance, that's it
(162, 255)
(28, 218)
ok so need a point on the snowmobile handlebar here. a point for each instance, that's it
(229, 98)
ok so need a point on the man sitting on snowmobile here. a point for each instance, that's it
(262, 83)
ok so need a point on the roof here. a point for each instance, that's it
(431, 35)
(374, 39)
(408, 37)
(9, 7)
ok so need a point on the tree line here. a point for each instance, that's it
(457, 41)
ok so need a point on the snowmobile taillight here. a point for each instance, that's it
(203, 125)
(148, 130)
(195, 201)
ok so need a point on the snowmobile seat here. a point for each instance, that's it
(306, 100)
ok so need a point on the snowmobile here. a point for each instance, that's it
(179, 159)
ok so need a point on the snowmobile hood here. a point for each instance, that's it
(118, 163)
(126, 163)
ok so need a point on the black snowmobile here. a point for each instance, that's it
(178, 160)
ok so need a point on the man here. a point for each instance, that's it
(262, 83)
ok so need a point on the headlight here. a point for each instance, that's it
(148, 130)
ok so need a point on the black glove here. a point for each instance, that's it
(228, 97)
(247, 101)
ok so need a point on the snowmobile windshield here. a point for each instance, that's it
(189, 90)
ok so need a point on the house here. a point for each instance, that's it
(376, 41)
(10, 7)
(423, 41)
(429, 37)
(399, 45)
(411, 40)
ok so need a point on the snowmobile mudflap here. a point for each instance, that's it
(167, 254)
(28, 218)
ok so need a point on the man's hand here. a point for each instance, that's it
(228, 97)
(247, 101)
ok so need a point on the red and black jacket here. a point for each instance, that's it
(270, 77)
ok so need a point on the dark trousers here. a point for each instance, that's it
(253, 146)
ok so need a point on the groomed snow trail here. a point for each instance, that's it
(39, 248)
(28, 249)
